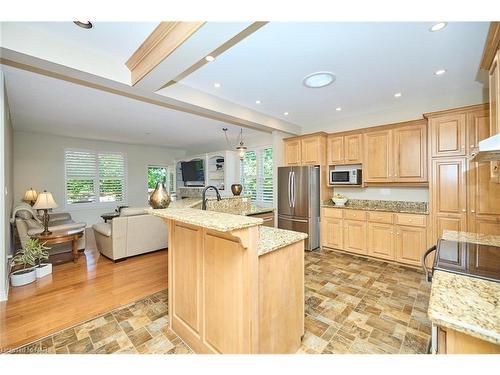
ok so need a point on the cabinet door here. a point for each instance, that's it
(448, 135)
(311, 151)
(449, 199)
(381, 240)
(335, 150)
(410, 244)
(378, 156)
(494, 95)
(332, 233)
(292, 152)
(355, 236)
(353, 149)
(410, 153)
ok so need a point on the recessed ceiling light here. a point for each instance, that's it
(439, 72)
(258, 102)
(437, 27)
(338, 109)
(397, 95)
(83, 24)
(216, 85)
(210, 58)
(318, 79)
(285, 113)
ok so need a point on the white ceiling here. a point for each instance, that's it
(102, 50)
(43, 104)
(371, 61)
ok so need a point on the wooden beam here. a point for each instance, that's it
(164, 40)
(491, 46)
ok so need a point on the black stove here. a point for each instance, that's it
(469, 259)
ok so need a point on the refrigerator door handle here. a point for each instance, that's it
(295, 220)
(293, 189)
(290, 189)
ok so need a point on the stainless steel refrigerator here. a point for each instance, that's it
(298, 201)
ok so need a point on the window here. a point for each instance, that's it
(157, 174)
(256, 175)
(94, 177)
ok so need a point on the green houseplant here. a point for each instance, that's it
(34, 252)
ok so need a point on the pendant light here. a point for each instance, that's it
(241, 148)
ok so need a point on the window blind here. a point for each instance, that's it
(93, 177)
(257, 175)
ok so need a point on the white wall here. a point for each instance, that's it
(6, 196)
(39, 163)
(411, 194)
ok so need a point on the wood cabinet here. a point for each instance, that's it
(494, 81)
(381, 240)
(378, 164)
(305, 150)
(345, 149)
(450, 341)
(396, 155)
(293, 152)
(448, 135)
(449, 197)
(410, 244)
(268, 218)
(355, 236)
(374, 233)
(410, 153)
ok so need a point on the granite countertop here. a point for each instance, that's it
(218, 221)
(185, 203)
(380, 205)
(482, 239)
(463, 303)
(466, 304)
(271, 239)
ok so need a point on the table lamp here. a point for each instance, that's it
(44, 202)
(30, 196)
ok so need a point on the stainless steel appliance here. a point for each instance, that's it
(298, 202)
(345, 176)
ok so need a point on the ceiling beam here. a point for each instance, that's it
(50, 69)
(164, 40)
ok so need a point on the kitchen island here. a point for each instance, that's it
(234, 285)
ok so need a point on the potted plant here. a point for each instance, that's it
(40, 252)
(26, 274)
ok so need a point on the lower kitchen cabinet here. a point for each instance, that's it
(332, 231)
(450, 341)
(267, 217)
(381, 240)
(410, 244)
(355, 236)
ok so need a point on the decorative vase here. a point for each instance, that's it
(159, 198)
(236, 189)
(23, 276)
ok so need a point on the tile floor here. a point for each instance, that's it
(353, 305)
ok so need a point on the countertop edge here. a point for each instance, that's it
(281, 238)
(375, 209)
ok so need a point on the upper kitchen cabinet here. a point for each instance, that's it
(378, 160)
(447, 134)
(345, 149)
(306, 150)
(396, 154)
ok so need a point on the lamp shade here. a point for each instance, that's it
(30, 195)
(45, 201)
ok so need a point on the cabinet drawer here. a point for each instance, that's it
(411, 219)
(355, 215)
(335, 213)
(380, 217)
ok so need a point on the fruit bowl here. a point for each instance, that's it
(339, 200)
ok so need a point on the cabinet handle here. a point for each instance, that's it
(464, 210)
(472, 211)
(410, 220)
(397, 234)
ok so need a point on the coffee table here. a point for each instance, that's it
(61, 236)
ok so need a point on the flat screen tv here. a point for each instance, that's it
(193, 170)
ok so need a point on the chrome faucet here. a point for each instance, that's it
(204, 203)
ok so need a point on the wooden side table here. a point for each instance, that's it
(62, 236)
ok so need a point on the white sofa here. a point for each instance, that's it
(132, 233)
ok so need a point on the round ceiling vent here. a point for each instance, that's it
(318, 80)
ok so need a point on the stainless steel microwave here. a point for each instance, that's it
(345, 177)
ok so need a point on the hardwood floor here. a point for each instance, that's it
(76, 292)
